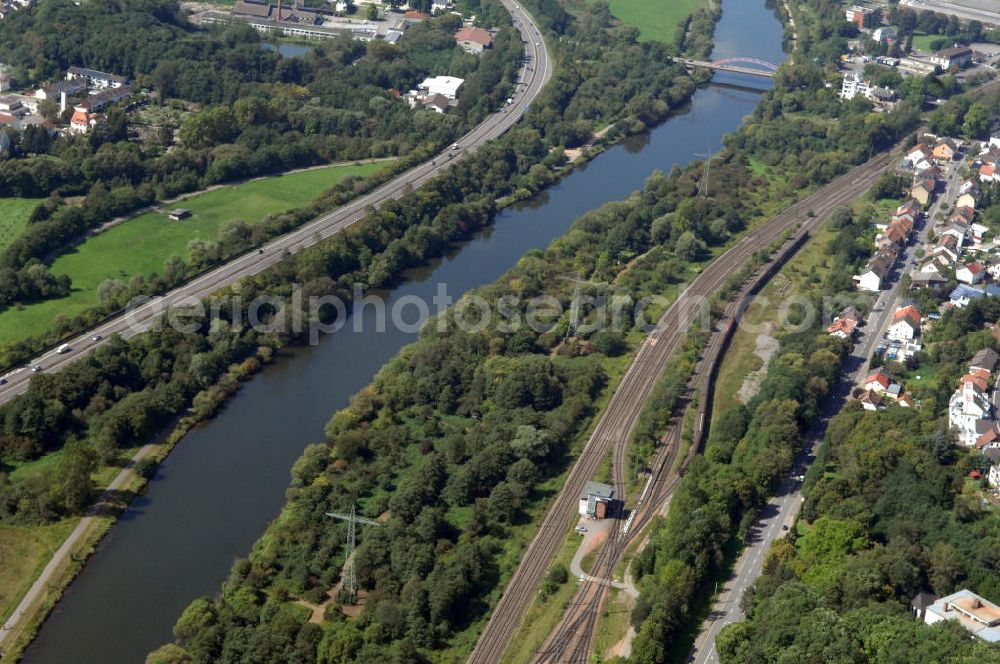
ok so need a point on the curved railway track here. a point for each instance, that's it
(614, 429)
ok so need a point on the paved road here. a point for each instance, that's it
(881, 315)
(537, 72)
(51, 571)
(781, 511)
(141, 319)
(985, 11)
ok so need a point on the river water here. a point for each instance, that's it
(215, 494)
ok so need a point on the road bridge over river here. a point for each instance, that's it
(750, 66)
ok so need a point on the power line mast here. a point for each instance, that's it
(350, 583)
(574, 309)
(703, 185)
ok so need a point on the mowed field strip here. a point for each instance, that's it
(14, 213)
(141, 246)
(656, 19)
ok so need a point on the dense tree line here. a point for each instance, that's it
(375, 252)
(256, 112)
(888, 512)
(585, 95)
(666, 228)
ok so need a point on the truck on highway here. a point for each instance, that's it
(62, 350)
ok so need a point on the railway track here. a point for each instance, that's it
(573, 635)
(614, 429)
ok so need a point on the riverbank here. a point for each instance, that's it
(645, 171)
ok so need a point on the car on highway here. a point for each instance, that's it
(580, 529)
(62, 350)
(36, 368)
(3, 381)
(96, 337)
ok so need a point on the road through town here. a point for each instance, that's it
(535, 74)
(780, 513)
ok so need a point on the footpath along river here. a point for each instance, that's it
(215, 494)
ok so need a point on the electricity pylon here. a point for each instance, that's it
(352, 519)
(703, 185)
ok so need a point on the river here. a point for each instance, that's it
(215, 494)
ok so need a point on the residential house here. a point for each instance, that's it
(922, 192)
(98, 79)
(956, 56)
(977, 615)
(989, 439)
(897, 234)
(969, 412)
(853, 85)
(473, 40)
(871, 401)
(82, 120)
(905, 324)
(857, 15)
(963, 295)
(842, 328)
(971, 273)
(927, 280)
(877, 381)
(97, 102)
(919, 154)
(910, 206)
(885, 33)
(989, 172)
(985, 360)
(945, 150)
(967, 200)
(437, 103)
(876, 272)
(55, 90)
(949, 244)
(595, 500)
(447, 86)
(967, 187)
(963, 215)
(849, 313)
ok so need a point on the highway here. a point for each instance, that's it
(780, 513)
(536, 73)
(614, 429)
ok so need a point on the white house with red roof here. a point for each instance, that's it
(905, 324)
(877, 381)
(971, 273)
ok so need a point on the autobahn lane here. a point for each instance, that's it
(536, 73)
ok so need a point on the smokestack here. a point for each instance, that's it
(62, 101)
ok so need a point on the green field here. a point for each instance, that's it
(923, 42)
(14, 214)
(141, 245)
(656, 19)
(24, 551)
